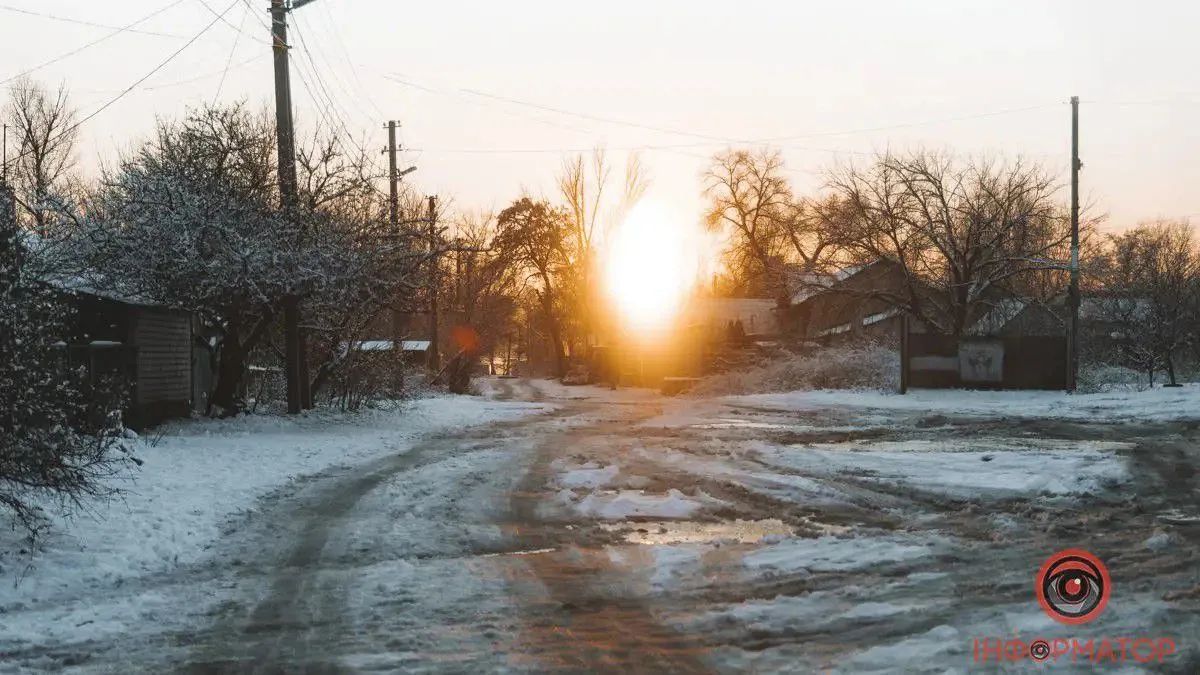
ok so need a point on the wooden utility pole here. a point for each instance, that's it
(299, 395)
(285, 137)
(393, 178)
(435, 260)
(1073, 293)
(394, 219)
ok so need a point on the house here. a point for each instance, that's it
(412, 352)
(711, 316)
(845, 306)
(141, 349)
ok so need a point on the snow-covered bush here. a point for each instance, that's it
(1096, 377)
(367, 379)
(850, 367)
(56, 445)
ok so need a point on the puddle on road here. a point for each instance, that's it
(726, 423)
(1177, 517)
(532, 551)
(690, 532)
(826, 528)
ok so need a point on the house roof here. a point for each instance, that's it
(84, 286)
(813, 283)
(998, 316)
(94, 284)
(388, 345)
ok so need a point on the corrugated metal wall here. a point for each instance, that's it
(164, 357)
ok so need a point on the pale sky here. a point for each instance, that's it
(836, 80)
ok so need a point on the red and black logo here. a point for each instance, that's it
(1073, 586)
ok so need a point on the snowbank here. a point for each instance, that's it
(1160, 404)
(839, 554)
(974, 468)
(867, 366)
(199, 474)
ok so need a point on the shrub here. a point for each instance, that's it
(851, 367)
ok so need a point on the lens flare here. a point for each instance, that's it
(653, 260)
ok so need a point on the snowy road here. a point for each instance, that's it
(625, 531)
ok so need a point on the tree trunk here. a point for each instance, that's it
(1171, 371)
(231, 368)
(555, 333)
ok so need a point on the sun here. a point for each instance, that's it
(652, 259)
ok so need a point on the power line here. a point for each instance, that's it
(95, 42)
(1178, 100)
(336, 113)
(327, 99)
(906, 125)
(82, 22)
(597, 118)
(176, 83)
(133, 86)
(339, 82)
(713, 141)
(229, 59)
(230, 25)
(350, 62)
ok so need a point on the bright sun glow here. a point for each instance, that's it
(652, 262)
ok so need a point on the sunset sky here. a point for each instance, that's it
(492, 95)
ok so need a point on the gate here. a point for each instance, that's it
(935, 361)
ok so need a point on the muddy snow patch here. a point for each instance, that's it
(837, 554)
(622, 504)
(818, 610)
(589, 476)
(689, 532)
(1156, 405)
(979, 468)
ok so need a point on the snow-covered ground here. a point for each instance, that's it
(903, 526)
(199, 477)
(1152, 405)
(843, 531)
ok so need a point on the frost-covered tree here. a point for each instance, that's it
(190, 219)
(193, 219)
(57, 444)
(369, 267)
(1151, 284)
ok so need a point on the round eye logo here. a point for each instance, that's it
(1073, 586)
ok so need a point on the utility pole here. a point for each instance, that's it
(435, 260)
(394, 218)
(1073, 293)
(393, 177)
(296, 366)
(285, 138)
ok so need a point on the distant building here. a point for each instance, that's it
(142, 349)
(850, 305)
(712, 315)
(412, 352)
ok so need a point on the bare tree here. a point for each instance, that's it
(592, 207)
(1151, 282)
(483, 288)
(534, 238)
(964, 236)
(773, 232)
(44, 127)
